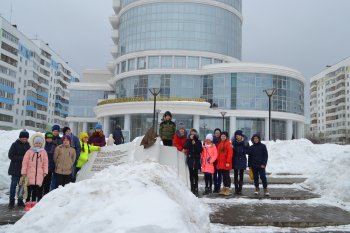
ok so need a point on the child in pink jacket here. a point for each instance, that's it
(208, 156)
(35, 167)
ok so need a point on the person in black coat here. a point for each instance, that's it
(118, 136)
(50, 147)
(239, 160)
(194, 149)
(257, 161)
(216, 175)
(16, 155)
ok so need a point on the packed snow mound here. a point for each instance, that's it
(325, 166)
(7, 138)
(130, 198)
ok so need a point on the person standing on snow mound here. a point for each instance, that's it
(167, 129)
(35, 167)
(97, 138)
(240, 147)
(180, 138)
(16, 155)
(118, 135)
(257, 160)
(194, 148)
(64, 158)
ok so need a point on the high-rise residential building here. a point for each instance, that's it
(33, 82)
(330, 105)
(192, 51)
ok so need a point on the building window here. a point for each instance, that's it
(179, 62)
(131, 64)
(205, 61)
(153, 62)
(167, 62)
(123, 67)
(193, 62)
(141, 63)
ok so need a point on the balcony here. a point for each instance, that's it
(114, 51)
(115, 36)
(111, 66)
(114, 20)
(116, 6)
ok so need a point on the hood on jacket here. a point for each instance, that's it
(255, 135)
(178, 133)
(31, 139)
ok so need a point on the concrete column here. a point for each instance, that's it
(300, 133)
(127, 120)
(106, 126)
(289, 129)
(74, 127)
(233, 125)
(267, 129)
(196, 122)
(85, 129)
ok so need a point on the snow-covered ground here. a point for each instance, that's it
(147, 197)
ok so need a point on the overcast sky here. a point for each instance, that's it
(304, 35)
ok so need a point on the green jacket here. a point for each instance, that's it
(167, 130)
(84, 155)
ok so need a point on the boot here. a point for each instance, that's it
(222, 191)
(210, 190)
(266, 192)
(206, 191)
(240, 186)
(236, 188)
(228, 192)
(20, 203)
(216, 189)
(257, 190)
(11, 204)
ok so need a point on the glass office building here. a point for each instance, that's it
(192, 51)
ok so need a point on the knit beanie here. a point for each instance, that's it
(23, 134)
(209, 137)
(48, 135)
(56, 127)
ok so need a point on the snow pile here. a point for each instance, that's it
(138, 197)
(326, 166)
(7, 138)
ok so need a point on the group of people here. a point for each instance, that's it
(40, 163)
(217, 156)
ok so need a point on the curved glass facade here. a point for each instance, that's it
(82, 102)
(180, 26)
(242, 91)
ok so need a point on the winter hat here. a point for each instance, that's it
(67, 137)
(98, 126)
(209, 137)
(48, 135)
(224, 133)
(83, 135)
(239, 132)
(23, 134)
(64, 130)
(38, 140)
(56, 127)
(181, 125)
(167, 113)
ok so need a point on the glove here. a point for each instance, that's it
(227, 164)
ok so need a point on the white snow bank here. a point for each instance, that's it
(326, 166)
(137, 197)
(7, 138)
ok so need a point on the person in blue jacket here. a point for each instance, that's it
(240, 146)
(257, 160)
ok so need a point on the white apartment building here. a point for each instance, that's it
(330, 105)
(33, 82)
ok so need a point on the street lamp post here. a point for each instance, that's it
(157, 111)
(223, 113)
(270, 93)
(155, 92)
